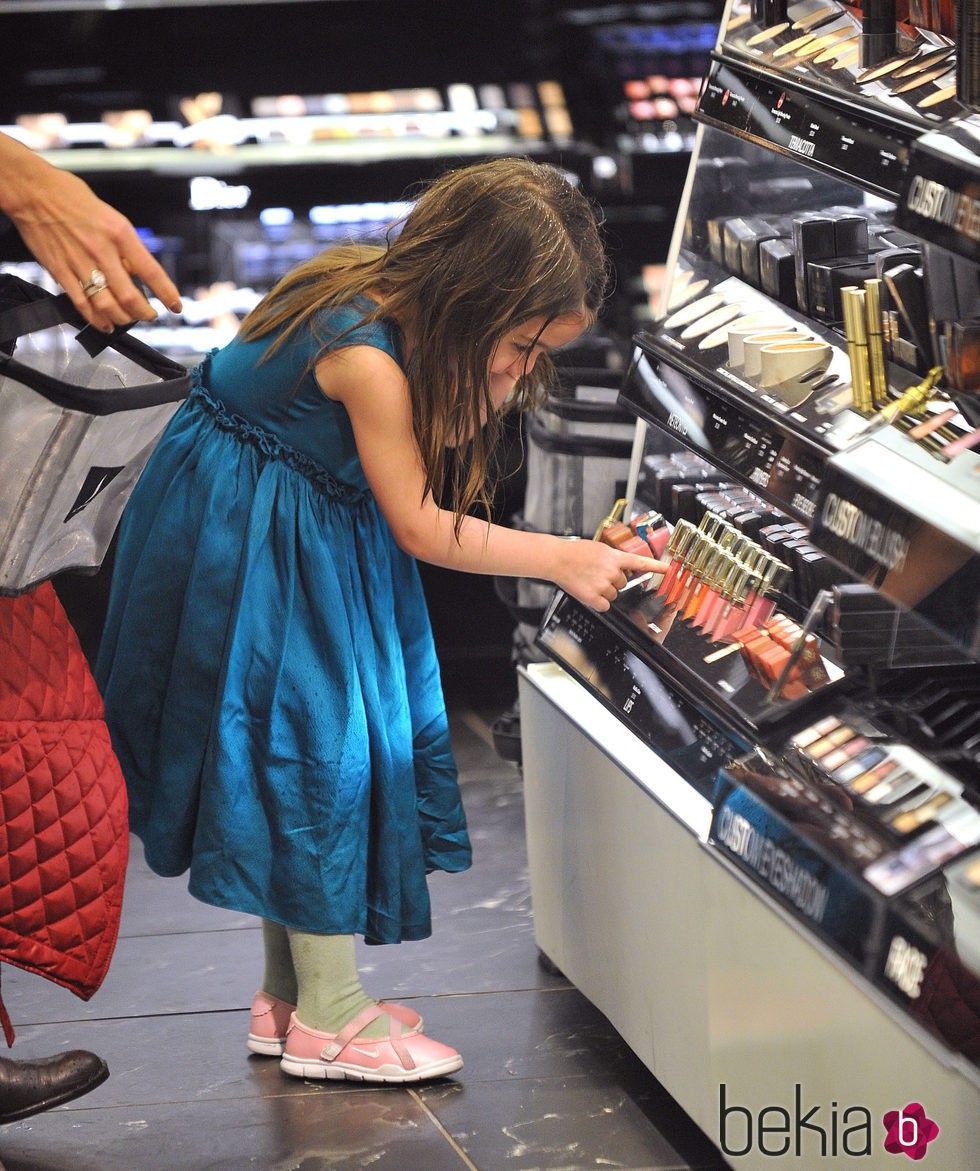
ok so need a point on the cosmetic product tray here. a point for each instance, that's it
(690, 737)
(807, 851)
(659, 644)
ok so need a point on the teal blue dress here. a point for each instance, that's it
(268, 666)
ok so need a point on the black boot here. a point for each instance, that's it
(28, 1087)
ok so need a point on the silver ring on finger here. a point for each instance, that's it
(96, 283)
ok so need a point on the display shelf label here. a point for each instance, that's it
(940, 196)
(848, 142)
(768, 839)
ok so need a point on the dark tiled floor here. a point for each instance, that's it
(547, 1082)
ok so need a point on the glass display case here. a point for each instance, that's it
(808, 462)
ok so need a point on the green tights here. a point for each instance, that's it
(317, 973)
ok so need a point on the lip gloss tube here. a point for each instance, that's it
(708, 583)
(763, 605)
(877, 373)
(756, 560)
(852, 302)
(681, 540)
(695, 575)
(692, 552)
(731, 616)
(714, 598)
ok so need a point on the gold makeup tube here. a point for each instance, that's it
(911, 400)
(877, 374)
(914, 397)
(852, 299)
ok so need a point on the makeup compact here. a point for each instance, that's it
(757, 325)
(755, 343)
(790, 369)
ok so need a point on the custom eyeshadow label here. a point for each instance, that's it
(762, 822)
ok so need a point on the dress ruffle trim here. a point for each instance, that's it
(269, 445)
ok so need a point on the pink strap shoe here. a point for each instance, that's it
(270, 1021)
(400, 1057)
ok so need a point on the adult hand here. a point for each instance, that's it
(91, 250)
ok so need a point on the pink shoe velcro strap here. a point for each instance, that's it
(360, 1022)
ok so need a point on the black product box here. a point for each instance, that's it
(742, 238)
(777, 271)
(851, 234)
(826, 278)
(813, 239)
(716, 238)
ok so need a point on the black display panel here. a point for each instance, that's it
(642, 628)
(682, 733)
(797, 122)
(784, 465)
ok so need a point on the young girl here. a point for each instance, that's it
(268, 667)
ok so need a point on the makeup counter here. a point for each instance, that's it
(753, 785)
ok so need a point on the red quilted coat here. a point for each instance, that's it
(64, 837)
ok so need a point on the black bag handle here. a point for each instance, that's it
(30, 308)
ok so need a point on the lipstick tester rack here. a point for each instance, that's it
(801, 690)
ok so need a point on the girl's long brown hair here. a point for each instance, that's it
(484, 249)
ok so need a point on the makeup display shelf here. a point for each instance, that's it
(799, 695)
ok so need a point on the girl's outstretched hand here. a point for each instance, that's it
(594, 573)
